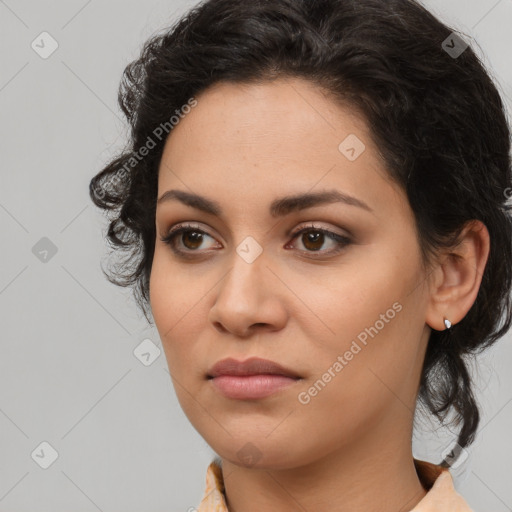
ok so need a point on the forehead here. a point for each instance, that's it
(269, 114)
(246, 140)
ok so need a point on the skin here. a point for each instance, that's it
(349, 448)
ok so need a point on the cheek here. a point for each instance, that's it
(168, 304)
(170, 292)
(362, 375)
(178, 310)
(161, 291)
(352, 297)
(371, 316)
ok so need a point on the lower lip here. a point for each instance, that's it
(251, 387)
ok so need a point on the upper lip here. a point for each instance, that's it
(252, 366)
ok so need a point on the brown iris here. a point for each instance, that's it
(196, 238)
(314, 239)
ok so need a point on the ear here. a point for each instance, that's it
(456, 279)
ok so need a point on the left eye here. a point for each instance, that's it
(315, 239)
(192, 238)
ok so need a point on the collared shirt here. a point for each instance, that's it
(437, 481)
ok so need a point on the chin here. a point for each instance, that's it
(258, 452)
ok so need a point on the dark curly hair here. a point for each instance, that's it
(436, 117)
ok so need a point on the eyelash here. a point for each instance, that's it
(341, 241)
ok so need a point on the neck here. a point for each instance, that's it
(377, 475)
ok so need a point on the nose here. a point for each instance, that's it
(249, 299)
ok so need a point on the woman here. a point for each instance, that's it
(314, 201)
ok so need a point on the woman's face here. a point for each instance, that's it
(347, 317)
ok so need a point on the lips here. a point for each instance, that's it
(252, 366)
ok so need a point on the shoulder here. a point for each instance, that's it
(441, 494)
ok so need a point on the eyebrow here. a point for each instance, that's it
(278, 208)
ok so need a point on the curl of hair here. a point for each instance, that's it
(439, 123)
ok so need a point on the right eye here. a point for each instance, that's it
(191, 237)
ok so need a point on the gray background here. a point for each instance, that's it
(69, 375)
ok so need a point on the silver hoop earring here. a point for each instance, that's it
(447, 323)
